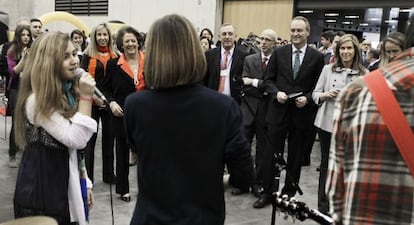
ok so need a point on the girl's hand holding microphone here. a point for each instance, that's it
(86, 88)
(86, 85)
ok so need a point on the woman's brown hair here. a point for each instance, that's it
(173, 54)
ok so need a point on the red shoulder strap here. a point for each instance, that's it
(392, 115)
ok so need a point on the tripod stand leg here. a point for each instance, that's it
(275, 189)
(272, 222)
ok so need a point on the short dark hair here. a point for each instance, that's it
(130, 30)
(208, 30)
(328, 35)
(35, 20)
(375, 53)
(340, 33)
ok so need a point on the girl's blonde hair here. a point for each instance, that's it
(92, 48)
(43, 77)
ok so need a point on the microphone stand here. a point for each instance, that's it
(280, 163)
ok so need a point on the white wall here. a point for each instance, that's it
(138, 13)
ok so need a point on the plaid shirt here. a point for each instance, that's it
(368, 181)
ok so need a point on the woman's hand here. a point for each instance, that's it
(98, 101)
(332, 93)
(25, 52)
(116, 109)
(91, 199)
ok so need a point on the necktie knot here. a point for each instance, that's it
(264, 63)
(225, 59)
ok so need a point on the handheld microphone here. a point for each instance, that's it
(78, 73)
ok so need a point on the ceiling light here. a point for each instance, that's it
(363, 24)
(305, 11)
(374, 19)
(351, 17)
(405, 10)
(331, 14)
(346, 22)
(391, 21)
(330, 21)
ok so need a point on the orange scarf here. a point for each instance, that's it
(102, 58)
(127, 69)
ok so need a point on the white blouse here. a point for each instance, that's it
(75, 133)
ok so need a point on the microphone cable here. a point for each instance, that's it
(112, 203)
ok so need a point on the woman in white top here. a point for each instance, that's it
(52, 122)
(346, 67)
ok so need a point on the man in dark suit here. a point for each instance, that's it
(365, 47)
(373, 59)
(225, 64)
(254, 101)
(291, 76)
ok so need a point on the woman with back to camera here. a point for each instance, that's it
(124, 75)
(94, 60)
(52, 122)
(16, 58)
(346, 67)
(184, 133)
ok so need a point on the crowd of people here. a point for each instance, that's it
(186, 105)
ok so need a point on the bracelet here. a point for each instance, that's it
(86, 98)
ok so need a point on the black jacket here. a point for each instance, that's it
(183, 137)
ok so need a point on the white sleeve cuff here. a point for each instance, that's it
(255, 83)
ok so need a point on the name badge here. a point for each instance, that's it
(224, 72)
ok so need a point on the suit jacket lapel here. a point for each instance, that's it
(217, 60)
(234, 60)
(306, 58)
(288, 55)
(123, 64)
(257, 61)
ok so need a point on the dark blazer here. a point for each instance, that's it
(373, 66)
(183, 137)
(116, 86)
(279, 77)
(99, 71)
(252, 69)
(212, 78)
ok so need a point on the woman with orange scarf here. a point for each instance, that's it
(124, 76)
(94, 60)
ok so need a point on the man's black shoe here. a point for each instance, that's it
(262, 202)
(238, 191)
(257, 190)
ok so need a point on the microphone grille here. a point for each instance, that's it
(79, 72)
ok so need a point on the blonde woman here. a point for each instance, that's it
(95, 57)
(347, 67)
(52, 122)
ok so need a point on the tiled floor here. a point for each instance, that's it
(239, 208)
